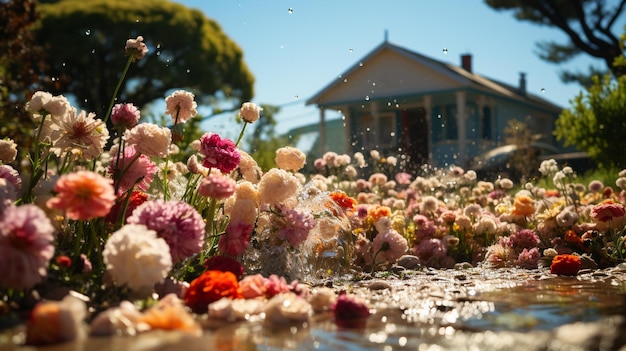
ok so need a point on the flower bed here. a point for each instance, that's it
(97, 221)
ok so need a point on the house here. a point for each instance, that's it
(400, 102)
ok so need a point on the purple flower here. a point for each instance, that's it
(431, 252)
(25, 246)
(298, 224)
(219, 153)
(177, 222)
(528, 258)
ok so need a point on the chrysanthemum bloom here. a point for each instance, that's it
(606, 211)
(499, 255)
(25, 246)
(44, 102)
(567, 218)
(8, 150)
(524, 239)
(528, 259)
(403, 178)
(180, 105)
(125, 115)
(210, 287)
(236, 239)
(350, 310)
(136, 257)
(219, 153)
(224, 264)
(390, 245)
(83, 195)
(429, 204)
(177, 222)
(565, 264)
(149, 139)
(217, 186)
(54, 322)
(297, 226)
(136, 48)
(131, 169)
(12, 176)
(377, 179)
(290, 158)
(523, 206)
(277, 185)
(81, 133)
(250, 112)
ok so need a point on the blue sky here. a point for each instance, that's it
(294, 48)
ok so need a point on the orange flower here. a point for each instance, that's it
(210, 287)
(344, 201)
(377, 212)
(83, 195)
(169, 314)
(524, 206)
(573, 238)
(565, 264)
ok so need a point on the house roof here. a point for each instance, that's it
(461, 78)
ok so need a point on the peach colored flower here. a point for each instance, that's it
(290, 158)
(253, 286)
(170, 314)
(523, 206)
(83, 195)
(250, 112)
(55, 322)
(180, 105)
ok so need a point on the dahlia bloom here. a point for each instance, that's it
(277, 185)
(125, 115)
(136, 257)
(565, 264)
(236, 239)
(523, 206)
(524, 239)
(44, 102)
(79, 133)
(131, 169)
(149, 139)
(83, 195)
(136, 199)
(136, 48)
(180, 105)
(528, 259)
(218, 152)
(250, 112)
(431, 252)
(12, 176)
(177, 222)
(217, 186)
(25, 246)
(290, 158)
(209, 287)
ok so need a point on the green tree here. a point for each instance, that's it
(21, 65)
(85, 43)
(588, 25)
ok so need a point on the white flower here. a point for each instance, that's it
(322, 299)
(250, 112)
(290, 158)
(277, 185)
(8, 150)
(79, 133)
(124, 319)
(181, 106)
(135, 256)
(149, 139)
(286, 308)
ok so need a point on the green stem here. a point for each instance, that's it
(243, 129)
(117, 88)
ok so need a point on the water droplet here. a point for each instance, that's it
(136, 21)
(373, 84)
(367, 98)
(93, 51)
(86, 100)
(360, 64)
(63, 64)
(543, 90)
(188, 70)
(345, 80)
(158, 53)
(351, 50)
(296, 97)
(158, 46)
(88, 32)
(445, 51)
(392, 134)
(290, 11)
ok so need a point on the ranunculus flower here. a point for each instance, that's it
(136, 257)
(180, 105)
(219, 153)
(8, 150)
(25, 246)
(290, 158)
(250, 112)
(253, 286)
(565, 264)
(209, 287)
(136, 48)
(125, 115)
(350, 310)
(277, 185)
(344, 201)
(523, 206)
(83, 195)
(606, 211)
(149, 139)
(217, 186)
(136, 199)
(131, 169)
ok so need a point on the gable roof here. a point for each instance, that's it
(460, 76)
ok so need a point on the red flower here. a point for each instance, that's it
(64, 261)
(224, 264)
(606, 211)
(565, 264)
(136, 199)
(210, 287)
(350, 310)
(344, 201)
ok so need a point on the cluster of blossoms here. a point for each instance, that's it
(93, 208)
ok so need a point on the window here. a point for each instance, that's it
(377, 132)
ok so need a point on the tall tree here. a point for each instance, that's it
(588, 24)
(85, 44)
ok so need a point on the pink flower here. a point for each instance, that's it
(217, 186)
(606, 211)
(83, 195)
(250, 112)
(253, 286)
(136, 48)
(524, 239)
(390, 244)
(125, 115)
(236, 239)
(177, 222)
(25, 246)
(131, 169)
(275, 285)
(12, 176)
(499, 255)
(180, 106)
(431, 252)
(528, 258)
(297, 226)
(219, 153)
(403, 178)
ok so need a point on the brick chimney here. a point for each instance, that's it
(522, 83)
(466, 62)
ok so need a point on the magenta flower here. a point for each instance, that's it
(298, 224)
(431, 252)
(177, 222)
(132, 169)
(350, 310)
(217, 186)
(236, 239)
(604, 212)
(219, 153)
(25, 246)
(125, 115)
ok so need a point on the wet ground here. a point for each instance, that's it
(472, 309)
